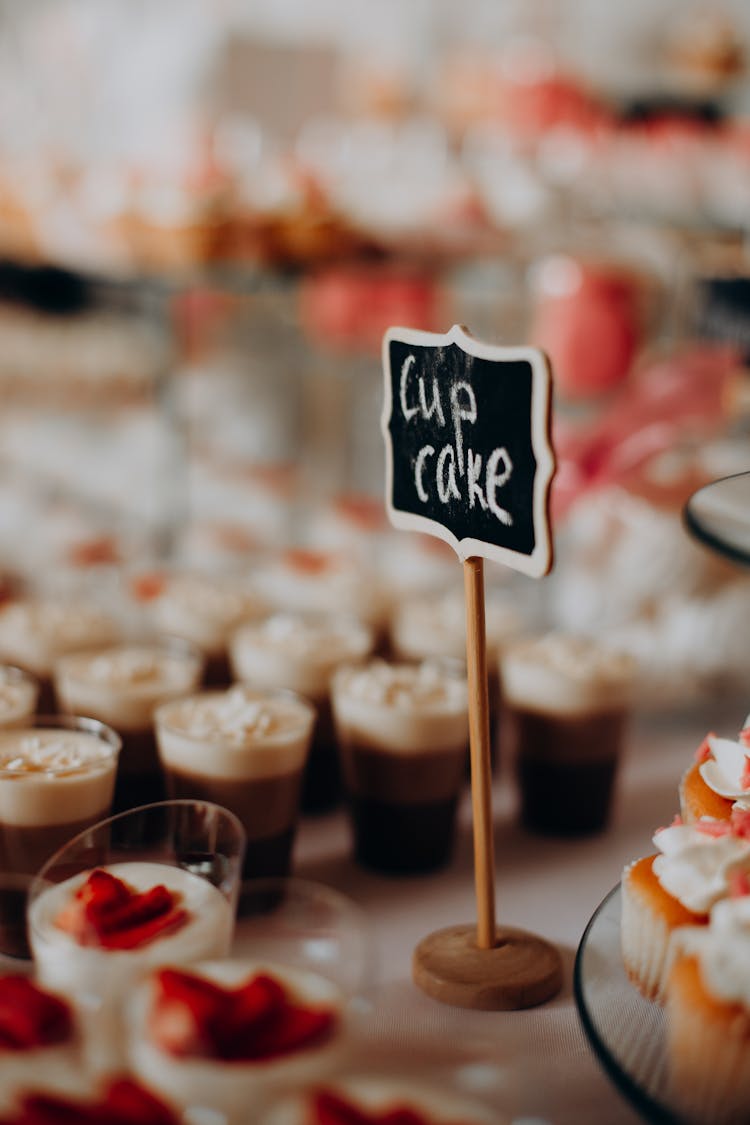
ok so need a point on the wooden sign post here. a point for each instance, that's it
(469, 460)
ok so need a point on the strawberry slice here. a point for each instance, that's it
(124, 1103)
(105, 911)
(330, 1108)
(148, 587)
(30, 1017)
(191, 1016)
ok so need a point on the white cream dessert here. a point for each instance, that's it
(566, 701)
(122, 686)
(301, 652)
(230, 1034)
(34, 633)
(245, 750)
(18, 696)
(97, 962)
(403, 731)
(54, 782)
(41, 1043)
(376, 1099)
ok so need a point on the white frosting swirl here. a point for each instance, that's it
(725, 770)
(698, 861)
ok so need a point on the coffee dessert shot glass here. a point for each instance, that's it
(37, 631)
(204, 609)
(403, 732)
(301, 652)
(153, 886)
(19, 692)
(566, 700)
(122, 685)
(57, 776)
(245, 749)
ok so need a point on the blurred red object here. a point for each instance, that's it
(349, 308)
(586, 317)
(670, 398)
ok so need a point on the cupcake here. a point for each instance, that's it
(662, 893)
(708, 1015)
(226, 1035)
(380, 1100)
(718, 779)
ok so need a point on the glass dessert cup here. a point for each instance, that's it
(190, 851)
(308, 945)
(58, 778)
(122, 685)
(246, 750)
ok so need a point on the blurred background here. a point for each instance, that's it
(211, 209)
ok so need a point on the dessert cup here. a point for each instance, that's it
(123, 685)
(57, 777)
(403, 732)
(188, 851)
(247, 751)
(301, 652)
(35, 632)
(566, 703)
(219, 1061)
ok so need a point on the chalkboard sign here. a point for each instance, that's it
(468, 453)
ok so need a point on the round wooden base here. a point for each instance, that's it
(520, 971)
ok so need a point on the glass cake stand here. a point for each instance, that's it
(626, 1031)
(718, 515)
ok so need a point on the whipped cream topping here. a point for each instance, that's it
(50, 776)
(437, 626)
(51, 751)
(721, 949)
(322, 582)
(698, 861)
(239, 716)
(427, 686)
(727, 771)
(298, 651)
(567, 674)
(35, 632)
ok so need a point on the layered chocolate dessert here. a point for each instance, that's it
(54, 782)
(403, 731)
(18, 696)
(567, 700)
(35, 632)
(245, 750)
(122, 686)
(435, 626)
(301, 652)
(204, 610)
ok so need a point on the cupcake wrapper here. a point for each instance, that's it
(646, 941)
